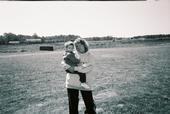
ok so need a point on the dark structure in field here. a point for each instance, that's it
(46, 48)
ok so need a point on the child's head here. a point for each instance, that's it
(69, 46)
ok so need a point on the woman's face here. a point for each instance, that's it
(80, 48)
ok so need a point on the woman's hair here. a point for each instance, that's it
(83, 42)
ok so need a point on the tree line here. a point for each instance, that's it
(161, 36)
(7, 37)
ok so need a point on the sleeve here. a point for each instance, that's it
(71, 58)
(65, 61)
(67, 67)
(88, 67)
(64, 65)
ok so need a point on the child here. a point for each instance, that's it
(71, 59)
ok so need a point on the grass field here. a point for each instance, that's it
(128, 80)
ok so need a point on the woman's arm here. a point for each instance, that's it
(72, 70)
(83, 69)
(87, 67)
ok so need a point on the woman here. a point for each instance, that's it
(73, 83)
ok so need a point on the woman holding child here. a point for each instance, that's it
(77, 62)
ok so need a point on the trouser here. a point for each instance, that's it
(82, 77)
(73, 97)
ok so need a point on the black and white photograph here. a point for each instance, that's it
(85, 57)
(72, 0)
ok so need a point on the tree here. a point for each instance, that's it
(35, 36)
(10, 37)
(2, 40)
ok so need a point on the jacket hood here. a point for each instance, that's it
(82, 40)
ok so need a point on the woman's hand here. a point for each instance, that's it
(76, 68)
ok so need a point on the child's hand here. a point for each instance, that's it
(71, 69)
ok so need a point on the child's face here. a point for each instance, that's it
(70, 48)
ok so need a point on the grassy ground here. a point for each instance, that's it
(128, 80)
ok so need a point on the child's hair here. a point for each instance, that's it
(68, 43)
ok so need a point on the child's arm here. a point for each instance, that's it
(67, 67)
(71, 57)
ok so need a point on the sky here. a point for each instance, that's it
(85, 18)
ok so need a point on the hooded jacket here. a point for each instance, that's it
(73, 80)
